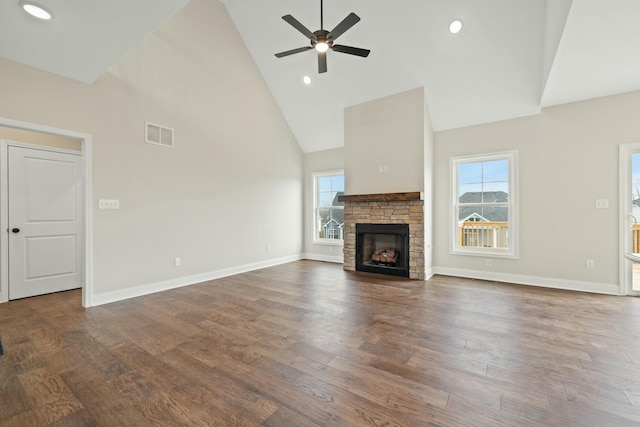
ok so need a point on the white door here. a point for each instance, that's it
(630, 218)
(45, 221)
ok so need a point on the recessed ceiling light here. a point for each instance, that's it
(36, 10)
(455, 27)
(306, 80)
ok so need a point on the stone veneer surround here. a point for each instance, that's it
(386, 209)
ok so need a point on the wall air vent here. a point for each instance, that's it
(159, 135)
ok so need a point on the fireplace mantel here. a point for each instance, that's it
(385, 197)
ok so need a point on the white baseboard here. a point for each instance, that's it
(325, 258)
(545, 282)
(150, 288)
(428, 273)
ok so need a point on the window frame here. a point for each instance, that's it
(512, 206)
(316, 231)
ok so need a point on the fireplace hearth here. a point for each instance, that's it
(383, 249)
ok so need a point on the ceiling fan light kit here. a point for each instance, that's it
(322, 40)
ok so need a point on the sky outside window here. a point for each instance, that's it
(487, 176)
(328, 188)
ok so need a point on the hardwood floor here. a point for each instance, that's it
(308, 344)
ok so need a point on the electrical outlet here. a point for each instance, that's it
(590, 264)
(267, 248)
(177, 262)
(602, 203)
(488, 263)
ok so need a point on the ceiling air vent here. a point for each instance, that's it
(159, 135)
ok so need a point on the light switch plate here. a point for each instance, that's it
(602, 203)
(108, 204)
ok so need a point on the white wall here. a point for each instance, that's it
(319, 161)
(232, 185)
(568, 157)
(385, 132)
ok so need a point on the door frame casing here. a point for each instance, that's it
(624, 186)
(85, 170)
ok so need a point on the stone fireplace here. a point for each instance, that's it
(387, 209)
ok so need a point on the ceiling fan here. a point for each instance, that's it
(322, 40)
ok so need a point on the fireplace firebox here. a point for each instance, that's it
(383, 249)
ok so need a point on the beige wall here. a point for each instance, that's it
(232, 185)
(568, 157)
(385, 132)
(429, 146)
(234, 182)
(319, 161)
(38, 138)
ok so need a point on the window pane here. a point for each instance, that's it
(494, 197)
(324, 183)
(502, 187)
(337, 183)
(321, 219)
(470, 172)
(470, 193)
(325, 198)
(329, 214)
(470, 213)
(334, 199)
(500, 214)
(497, 170)
(482, 235)
(330, 223)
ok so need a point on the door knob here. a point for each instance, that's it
(15, 230)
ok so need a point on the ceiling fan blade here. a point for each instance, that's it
(351, 50)
(322, 62)
(298, 26)
(346, 23)
(292, 51)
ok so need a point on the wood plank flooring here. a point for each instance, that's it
(308, 344)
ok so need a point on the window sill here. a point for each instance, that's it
(329, 242)
(485, 254)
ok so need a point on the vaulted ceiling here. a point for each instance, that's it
(511, 59)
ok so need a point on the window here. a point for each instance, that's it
(328, 212)
(484, 209)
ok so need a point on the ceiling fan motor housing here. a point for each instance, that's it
(321, 37)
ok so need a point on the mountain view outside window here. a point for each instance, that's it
(329, 212)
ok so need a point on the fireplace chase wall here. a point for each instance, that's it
(389, 208)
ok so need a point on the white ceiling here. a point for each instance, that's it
(85, 38)
(511, 59)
